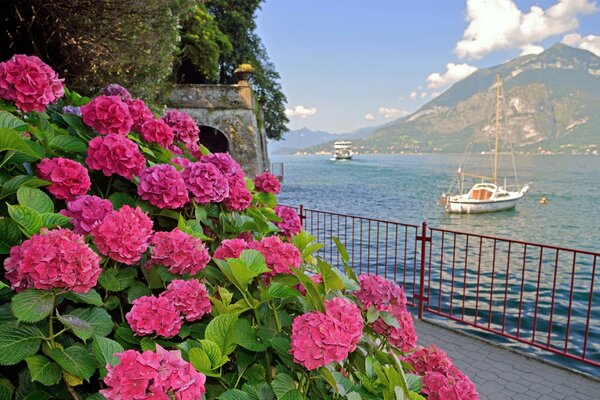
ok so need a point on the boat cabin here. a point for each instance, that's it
(482, 191)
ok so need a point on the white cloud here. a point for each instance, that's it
(589, 42)
(423, 95)
(369, 117)
(391, 112)
(413, 95)
(454, 73)
(499, 24)
(300, 111)
(435, 94)
(531, 49)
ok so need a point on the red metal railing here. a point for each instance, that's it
(535, 294)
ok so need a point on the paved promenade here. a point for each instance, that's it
(502, 374)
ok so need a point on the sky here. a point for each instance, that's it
(348, 64)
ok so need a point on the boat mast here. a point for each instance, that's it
(497, 126)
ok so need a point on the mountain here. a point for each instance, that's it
(551, 103)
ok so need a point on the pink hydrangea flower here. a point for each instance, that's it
(163, 187)
(349, 317)
(154, 315)
(159, 375)
(239, 197)
(267, 182)
(231, 248)
(290, 221)
(183, 125)
(181, 161)
(115, 89)
(86, 212)
(457, 389)
(157, 131)
(194, 150)
(123, 235)
(248, 236)
(180, 252)
(29, 82)
(404, 337)
(206, 182)
(189, 297)
(278, 255)
(114, 154)
(139, 112)
(53, 259)
(225, 163)
(431, 359)
(107, 115)
(69, 178)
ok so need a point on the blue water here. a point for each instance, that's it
(407, 189)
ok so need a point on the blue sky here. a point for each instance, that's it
(347, 64)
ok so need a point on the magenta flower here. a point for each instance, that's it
(157, 131)
(349, 317)
(206, 182)
(114, 89)
(114, 154)
(404, 337)
(163, 187)
(194, 150)
(182, 162)
(86, 212)
(225, 163)
(123, 235)
(267, 182)
(53, 259)
(154, 315)
(231, 248)
(183, 125)
(239, 197)
(278, 255)
(290, 221)
(107, 115)
(159, 375)
(29, 82)
(180, 252)
(189, 297)
(69, 178)
(139, 112)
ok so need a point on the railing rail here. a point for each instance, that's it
(536, 294)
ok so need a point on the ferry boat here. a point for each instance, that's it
(342, 150)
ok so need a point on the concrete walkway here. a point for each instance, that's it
(501, 374)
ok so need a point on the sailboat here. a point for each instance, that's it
(486, 195)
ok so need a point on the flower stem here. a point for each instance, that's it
(72, 391)
(110, 180)
(51, 321)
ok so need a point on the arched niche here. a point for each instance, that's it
(213, 139)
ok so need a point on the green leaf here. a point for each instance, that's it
(95, 396)
(13, 184)
(10, 139)
(43, 370)
(29, 219)
(201, 361)
(341, 249)
(7, 120)
(285, 388)
(389, 319)
(137, 290)
(82, 329)
(119, 199)
(76, 360)
(6, 389)
(32, 305)
(92, 297)
(312, 291)
(245, 336)
(10, 234)
(99, 318)
(115, 280)
(281, 344)
(35, 198)
(68, 143)
(255, 261)
(256, 373)
(353, 396)
(37, 395)
(259, 391)
(331, 280)
(277, 290)
(372, 314)
(52, 220)
(104, 350)
(234, 394)
(221, 331)
(18, 341)
(414, 382)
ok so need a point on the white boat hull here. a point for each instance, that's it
(466, 204)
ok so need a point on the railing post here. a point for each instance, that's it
(301, 215)
(421, 296)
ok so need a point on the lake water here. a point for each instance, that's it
(407, 189)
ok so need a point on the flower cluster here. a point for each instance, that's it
(123, 235)
(290, 221)
(107, 115)
(86, 212)
(441, 379)
(267, 182)
(231, 248)
(68, 178)
(386, 296)
(114, 89)
(205, 182)
(154, 315)
(225, 163)
(321, 338)
(139, 112)
(178, 251)
(239, 197)
(163, 187)
(278, 255)
(53, 259)
(115, 154)
(189, 297)
(29, 82)
(157, 375)
(157, 131)
(184, 127)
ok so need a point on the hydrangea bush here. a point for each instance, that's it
(136, 265)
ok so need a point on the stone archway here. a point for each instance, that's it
(213, 139)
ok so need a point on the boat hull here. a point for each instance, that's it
(480, 206)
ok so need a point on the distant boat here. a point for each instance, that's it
(487, 195)
(342, 150)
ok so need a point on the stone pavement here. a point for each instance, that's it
(501, 374)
